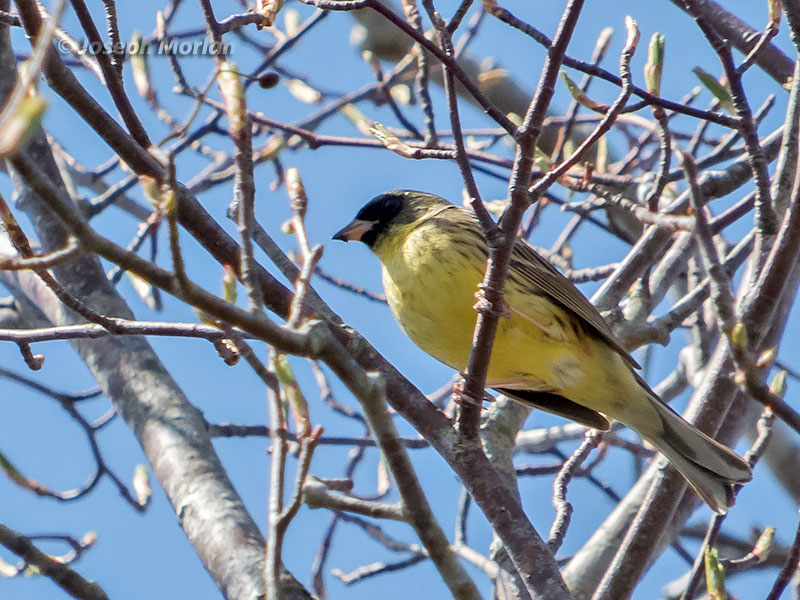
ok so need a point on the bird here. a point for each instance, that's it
(552, 351)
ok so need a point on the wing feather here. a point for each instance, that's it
(542, 276)
(529, 269)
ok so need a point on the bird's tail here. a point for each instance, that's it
(709, 467)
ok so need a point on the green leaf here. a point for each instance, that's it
(764, 544)
(715, 576)
(16, 129)
(739, 335)
(292, 393)
(778, 384)
(655, 64)
(580, 96)
(140, 67)
(232, 90)
(21, 480)
(721, 92)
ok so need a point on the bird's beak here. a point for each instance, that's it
(354, 230)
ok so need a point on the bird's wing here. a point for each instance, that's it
(558, 405)
(539, 276)
(543, 277)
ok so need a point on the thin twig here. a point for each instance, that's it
(22, 245)
(416, 505)
(113, 79)
(490, 304)
(766, 219)
(446, 42)
(565, 475)
(317, 495)
(311, 256)
(66, 578)
(788, 570)
(764, 428)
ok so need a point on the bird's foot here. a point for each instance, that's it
(462, 398)
(483, 305)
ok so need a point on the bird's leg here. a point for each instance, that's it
(483, 305)
(461, 398)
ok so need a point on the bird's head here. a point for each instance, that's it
(389, 214)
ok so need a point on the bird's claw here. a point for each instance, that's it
(462, 398)
(483, 305)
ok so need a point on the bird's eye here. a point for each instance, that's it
(392, 205)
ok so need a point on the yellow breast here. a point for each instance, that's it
(430, 281)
